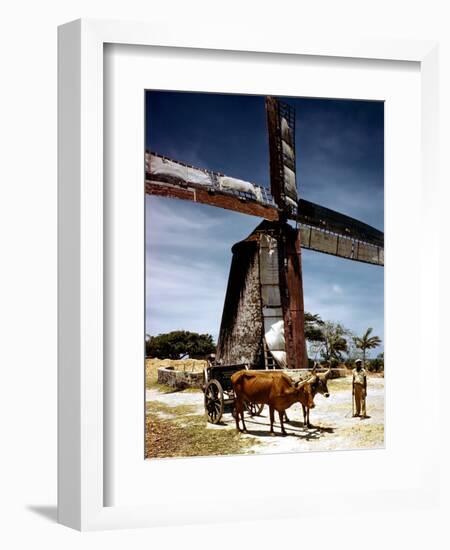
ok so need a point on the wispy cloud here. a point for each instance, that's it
(347, 292)
(187, 263)
(183, 295)
(170, 225)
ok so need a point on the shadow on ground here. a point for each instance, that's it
(48, 512)
(293, 428)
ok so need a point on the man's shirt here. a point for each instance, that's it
(359, 377)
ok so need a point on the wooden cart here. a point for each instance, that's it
(218, 392)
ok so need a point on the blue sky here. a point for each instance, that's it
(340, 152)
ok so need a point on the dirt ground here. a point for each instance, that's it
(333, 425)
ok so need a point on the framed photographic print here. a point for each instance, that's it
(234, 274)
(237, 299)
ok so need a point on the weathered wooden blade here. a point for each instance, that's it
(330, 232)
(283, 187)
(322, 229)
(330, 220)
(320, 240)
(281, 128)
(169, 178)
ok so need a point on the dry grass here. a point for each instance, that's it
(152, 366)
(170, 434)
(173, 411)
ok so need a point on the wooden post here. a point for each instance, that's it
(289, 250)
(276, 168)
(291, 289)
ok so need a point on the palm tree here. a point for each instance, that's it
(366, 342)
(335, 343)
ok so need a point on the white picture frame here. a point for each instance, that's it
(81, 389)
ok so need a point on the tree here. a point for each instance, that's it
(313, 335)
(335, 342)
(313, 324)
(179, 344)
(366, 341)
(377, 364)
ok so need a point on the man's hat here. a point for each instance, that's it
(358, 361)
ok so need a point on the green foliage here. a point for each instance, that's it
(335, 341)
(366, 341)
(179, 344)
(377, 364)
(313, 328)
(328, 339)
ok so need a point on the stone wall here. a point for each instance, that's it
(241, 329)
(179, 379)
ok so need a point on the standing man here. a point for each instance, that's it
(359, 389)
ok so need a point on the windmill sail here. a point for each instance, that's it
(281, 126)
(320, 240)
(322, 229)
(330, 232)
(170, 178)
(283, 187)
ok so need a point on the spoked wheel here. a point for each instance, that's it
(253, 409)
(214, 401)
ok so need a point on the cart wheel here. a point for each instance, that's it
(253, 409)
(213, 401)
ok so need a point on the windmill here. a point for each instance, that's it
(263, 316)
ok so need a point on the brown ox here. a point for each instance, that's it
(275, 389)
(318, 384)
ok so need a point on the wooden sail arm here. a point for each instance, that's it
(213, 198)
(323, 230)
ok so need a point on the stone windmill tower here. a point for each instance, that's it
(263, 316)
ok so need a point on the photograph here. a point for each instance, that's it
(264, 274)
(222, 347)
